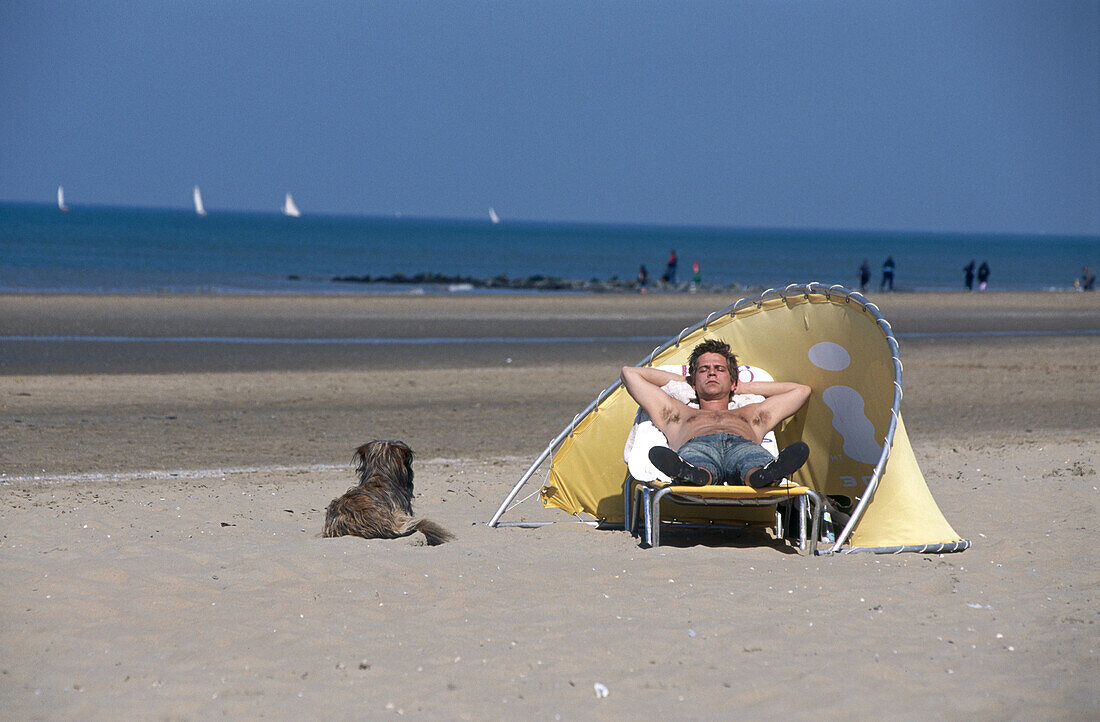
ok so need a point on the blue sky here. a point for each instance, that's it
(940, 116)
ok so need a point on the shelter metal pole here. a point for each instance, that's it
(551, 447)
(523, 480)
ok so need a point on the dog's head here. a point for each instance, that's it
(391, 460)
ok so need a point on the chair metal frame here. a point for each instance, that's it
(648, 496)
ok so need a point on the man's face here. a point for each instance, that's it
(712, 377)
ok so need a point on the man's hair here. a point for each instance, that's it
(713, 345)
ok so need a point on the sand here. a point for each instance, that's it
(161, 504)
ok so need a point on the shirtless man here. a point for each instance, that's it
(717, 444)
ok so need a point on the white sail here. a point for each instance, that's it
(289, 209)
(493, 216)
(61, 198)
(197, 195)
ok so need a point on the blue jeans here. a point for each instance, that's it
(727, 457)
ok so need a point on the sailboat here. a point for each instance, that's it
(61, 199)
(493, 216)
(196, 194)
(289, 209)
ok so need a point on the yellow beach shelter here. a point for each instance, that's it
(830, 338)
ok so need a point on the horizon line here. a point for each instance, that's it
(526, 222)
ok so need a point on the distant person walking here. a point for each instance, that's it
(968, 270)
(670, 271)
(1088, 279)
(983, 275)
(887, 274)
(643, 280)
(864, 275)
(696, 276)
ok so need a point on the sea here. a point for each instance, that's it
(96, 249)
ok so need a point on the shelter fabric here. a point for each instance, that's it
(828, 341)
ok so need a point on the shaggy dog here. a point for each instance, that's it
(380, 507)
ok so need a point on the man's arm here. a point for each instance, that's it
(644, 385)
(781, 399)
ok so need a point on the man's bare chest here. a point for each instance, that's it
(742, 421)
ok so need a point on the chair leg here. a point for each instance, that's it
(629, 509)
(631, 512)
(802, 515)
(628, 505)
(637, 509)
(655, 517)
(818, 510)
(647, 516)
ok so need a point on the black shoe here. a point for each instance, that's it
(670, 463)
(790, 460)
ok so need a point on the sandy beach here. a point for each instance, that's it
(162, 499)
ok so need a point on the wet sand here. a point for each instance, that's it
(162, 500)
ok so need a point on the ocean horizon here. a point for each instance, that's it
(101, 249)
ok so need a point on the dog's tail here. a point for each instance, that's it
(434, 533)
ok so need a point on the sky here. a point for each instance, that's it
(978, 116)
